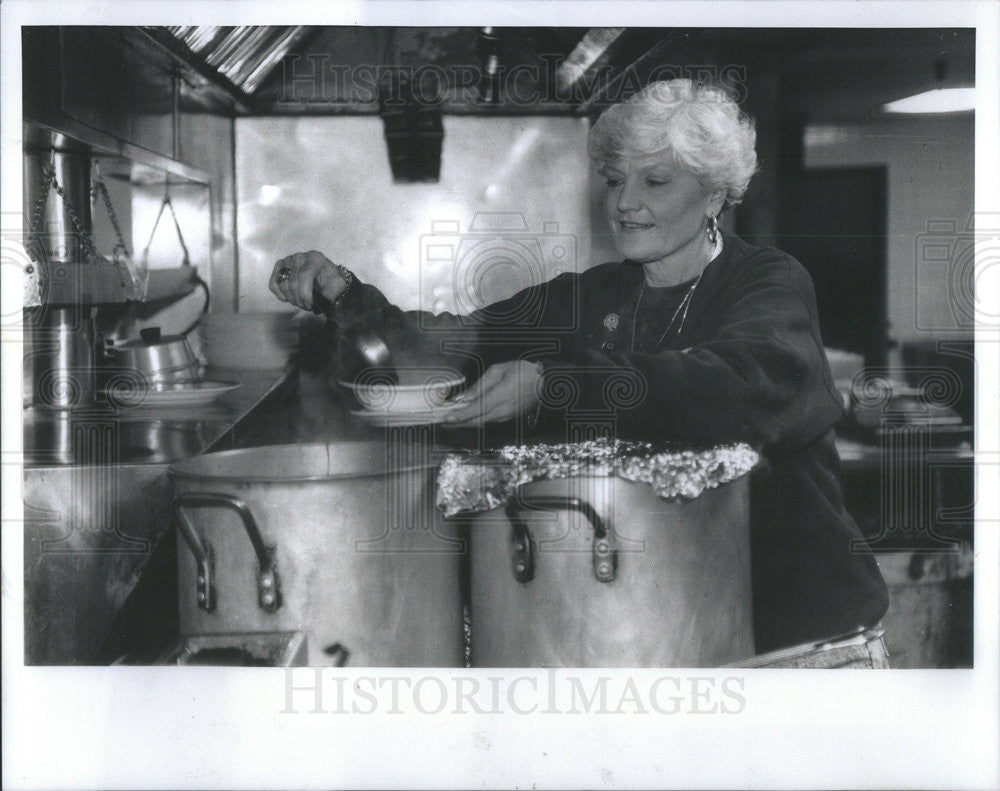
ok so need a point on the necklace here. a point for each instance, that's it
(685, 303)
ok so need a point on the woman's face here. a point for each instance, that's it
(655, 208)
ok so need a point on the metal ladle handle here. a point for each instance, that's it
(268, 583)
(368, 352)
(603, 552)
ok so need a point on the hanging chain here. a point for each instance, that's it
(35, 247)
(43, 198)
(120, 256)
(120, 249)
(49, 181)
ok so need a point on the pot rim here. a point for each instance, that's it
(177, 471)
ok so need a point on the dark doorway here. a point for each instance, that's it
(834, 222)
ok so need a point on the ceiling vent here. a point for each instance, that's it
(244, 55)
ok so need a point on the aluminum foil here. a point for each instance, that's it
(468, 483)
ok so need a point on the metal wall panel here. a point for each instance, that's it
(512, 207)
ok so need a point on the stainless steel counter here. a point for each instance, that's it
(140, 435)
(96, 503)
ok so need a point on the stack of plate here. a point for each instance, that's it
(248, 341)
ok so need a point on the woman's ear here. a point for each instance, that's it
(715, 202)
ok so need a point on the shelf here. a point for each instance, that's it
(106, 284)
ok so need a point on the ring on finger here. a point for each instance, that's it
(283, 274)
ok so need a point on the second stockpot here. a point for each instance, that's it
(339, 541)
(602, 572)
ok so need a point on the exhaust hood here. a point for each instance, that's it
(245, 54)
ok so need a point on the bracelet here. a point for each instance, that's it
(349, 278)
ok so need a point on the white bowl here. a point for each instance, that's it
(376, 394)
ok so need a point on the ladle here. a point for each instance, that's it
(368, 351)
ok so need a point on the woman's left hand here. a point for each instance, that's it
(504, 391)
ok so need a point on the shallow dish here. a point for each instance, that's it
(381, 397)
(171, 395)
(424, 417)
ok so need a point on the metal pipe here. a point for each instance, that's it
(61, 358)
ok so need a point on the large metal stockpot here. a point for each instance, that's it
(602, 572)
(339, 541)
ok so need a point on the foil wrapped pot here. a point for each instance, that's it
(472, 482)
(605, 554)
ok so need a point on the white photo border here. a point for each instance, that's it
(234, 728)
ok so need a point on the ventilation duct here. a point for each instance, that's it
(414, 132)
(244, 55)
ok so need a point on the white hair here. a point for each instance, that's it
(700, 126)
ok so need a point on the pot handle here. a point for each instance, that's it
(603, 552)
(204, 557)
(268, 583)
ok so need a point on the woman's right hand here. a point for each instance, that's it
(295, 276)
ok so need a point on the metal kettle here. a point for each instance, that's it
(160, 359)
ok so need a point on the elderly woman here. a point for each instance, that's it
(719, 338)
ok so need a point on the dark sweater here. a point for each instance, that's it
(747, 366)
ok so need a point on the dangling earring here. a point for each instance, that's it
(713, 229)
